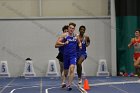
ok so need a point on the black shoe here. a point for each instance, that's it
(69, 88)
(63, 85)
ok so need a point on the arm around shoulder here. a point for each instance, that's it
(59, 41)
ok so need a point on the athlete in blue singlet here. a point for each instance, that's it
(70, 54)
(81, 53)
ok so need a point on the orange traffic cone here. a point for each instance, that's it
(86, 85)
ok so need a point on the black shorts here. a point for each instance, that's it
(60, 57)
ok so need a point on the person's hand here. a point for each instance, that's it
(66, 42)
(129, 45)
(80, 45)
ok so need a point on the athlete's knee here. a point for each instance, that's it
(135, 65)
(72, 68)
(79, 63)
(65, 73)
(138, 59)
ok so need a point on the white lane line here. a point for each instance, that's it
(118, 89)
(46, 91)
(111, 84)
(80, 88)
(41, 86)
(114, 83)
(12, 90)
(7, 85)
(21, 88)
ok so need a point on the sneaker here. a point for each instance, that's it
(80, 81)
(63, 85)
(69, 88)
(136, 75)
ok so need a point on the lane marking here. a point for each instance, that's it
(46, 90)
(7, 85)
(41, 86)
(22, 88)
(114, 83)
(80, 88)
(111, 84)
(12, 90)
(118, 88)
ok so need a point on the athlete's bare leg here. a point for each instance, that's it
(137, 63)
(71, 74)
(61, 67)
(79, 69)
(64, 76)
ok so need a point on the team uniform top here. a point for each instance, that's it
(70, 48)
(136, 44)
(82, 52)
